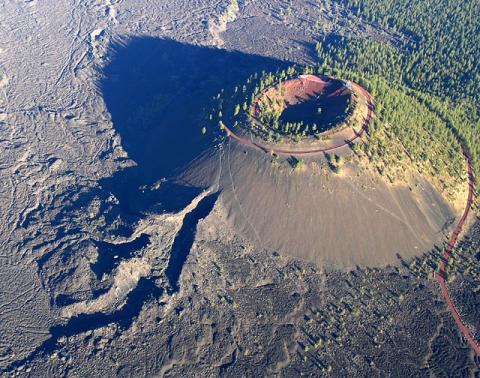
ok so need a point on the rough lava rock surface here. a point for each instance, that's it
(110, 267)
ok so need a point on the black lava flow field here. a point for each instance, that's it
(146, 289)
(184, 240)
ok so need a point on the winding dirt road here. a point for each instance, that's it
(448, 253)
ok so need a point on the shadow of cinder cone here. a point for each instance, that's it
(159, 93)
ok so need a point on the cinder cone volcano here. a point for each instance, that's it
(291, 197)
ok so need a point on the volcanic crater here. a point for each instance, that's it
(292, 194)
(319, 103)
